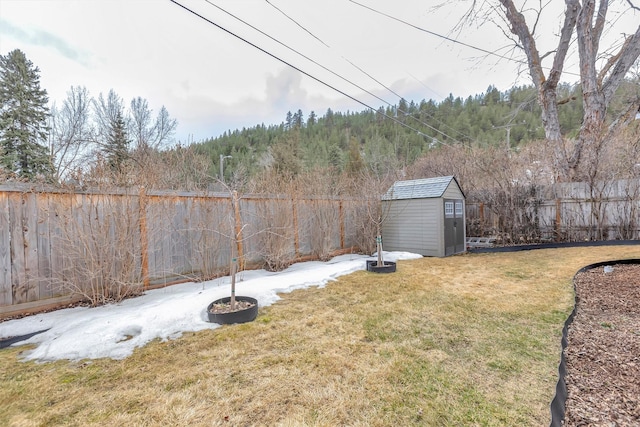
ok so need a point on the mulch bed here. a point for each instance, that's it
(603, 352)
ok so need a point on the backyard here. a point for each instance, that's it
(464, 340)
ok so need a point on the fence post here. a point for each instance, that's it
(238, 228)
(558, 218)
(144, 238)
(296, 235)
(341, 216)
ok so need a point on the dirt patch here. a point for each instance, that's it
(225, 307)
(603, 352)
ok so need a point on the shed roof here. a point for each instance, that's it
(419, 188)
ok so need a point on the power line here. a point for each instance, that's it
(297, 68)
(327, 69)
(368, 75)
(424, 30)
(294, 21)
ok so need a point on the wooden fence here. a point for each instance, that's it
(54, 244)
(563, 212)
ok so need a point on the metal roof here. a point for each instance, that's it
(419, 188)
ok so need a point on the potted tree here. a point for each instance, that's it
(377, 213)
(234, 309)
(379, 265)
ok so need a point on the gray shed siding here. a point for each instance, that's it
(452, 192)
(424, 236)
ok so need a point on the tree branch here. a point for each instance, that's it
(570, 19)
(629, 53)
(519, 28)
(600, 21)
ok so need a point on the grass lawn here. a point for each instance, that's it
(471, 340)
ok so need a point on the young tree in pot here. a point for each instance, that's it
(234, 309)
(377, 213)
(378, 220)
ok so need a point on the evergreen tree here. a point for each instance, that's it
(298, 119)
(23, 118)
(117, 146)
(288, 122)
(286, 155)
(335, 157)
(312, 119)
(354, 160)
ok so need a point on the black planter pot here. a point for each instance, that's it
(388, 267)
(240, 316)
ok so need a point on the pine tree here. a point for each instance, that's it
(288, 122)
(354, 160)
(23, 118)
(117, 147)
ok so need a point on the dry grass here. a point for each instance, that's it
(465, 340)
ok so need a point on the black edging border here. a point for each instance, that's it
(7, 342)
(554, 246)
(558, 403)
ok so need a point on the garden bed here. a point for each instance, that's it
(603, 352)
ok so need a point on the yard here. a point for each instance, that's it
(464, 340)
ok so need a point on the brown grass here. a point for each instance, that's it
(465, 340)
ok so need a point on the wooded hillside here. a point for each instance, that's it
(391, 137)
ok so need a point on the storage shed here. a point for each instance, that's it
(425, 216)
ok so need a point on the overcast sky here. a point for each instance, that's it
(210, 81)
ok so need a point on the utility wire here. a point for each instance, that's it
(424, 30)
(193, 12)
(294, 21)
(365, 73)
(305, 73)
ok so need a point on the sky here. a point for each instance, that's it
(211, 81)
(116, 330)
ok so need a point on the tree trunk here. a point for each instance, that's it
(597, 88)
(547, 97)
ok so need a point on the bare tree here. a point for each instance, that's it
(149, 134)
(71, 133)
(584, 22)
(106, 114)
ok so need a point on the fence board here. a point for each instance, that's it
(18, 268)
(6, 297)
(44, 247)
(30, 229)
(57, 205)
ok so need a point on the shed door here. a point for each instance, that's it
(453, 226)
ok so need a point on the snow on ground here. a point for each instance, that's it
(115, 330)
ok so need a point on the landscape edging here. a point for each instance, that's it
(558, 403)
(555, 245)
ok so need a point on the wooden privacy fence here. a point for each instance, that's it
(563, 212)
(56, 245)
